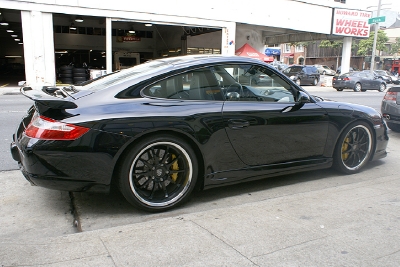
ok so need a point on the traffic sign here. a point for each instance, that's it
(376, 20)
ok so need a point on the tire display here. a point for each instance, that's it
(71, 75)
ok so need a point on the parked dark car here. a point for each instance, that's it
(303, 74)
(167, 127)
(358, 81)
(387, 76)
(390, 108)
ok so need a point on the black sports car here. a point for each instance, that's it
(161, 129)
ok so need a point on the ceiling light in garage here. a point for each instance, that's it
(3, 23)
(79, 19)
(10, 30)
(72, 27)
(148, 24)
(13, 56)
(17, 40)
(14, 35)
(131, 30)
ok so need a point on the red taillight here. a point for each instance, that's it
(334, 78)
(346, 79)
(49, 129)
(390, 96)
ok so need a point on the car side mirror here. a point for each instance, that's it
(303, 98)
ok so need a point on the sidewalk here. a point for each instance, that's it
(353, 224)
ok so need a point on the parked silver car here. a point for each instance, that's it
(358, 81)
(325, 70)
(390, 108)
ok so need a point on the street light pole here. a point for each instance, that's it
(375, 38)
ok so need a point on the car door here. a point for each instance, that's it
(266, 127)
(374, 81)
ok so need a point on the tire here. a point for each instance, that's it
(363, 90)
(382, 87)
(357, 87)
(66, 75)
(80, 74)
(324, 73)
(159, 173)
(339, 89)
(62, 68)
(298, 82)
(79, 70)
(354, 148)
(315, 82)
(393, 126)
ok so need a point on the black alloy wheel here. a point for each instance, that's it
(159, 173)
(354, 148)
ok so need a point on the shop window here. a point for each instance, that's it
(287, 48)
(299, 48)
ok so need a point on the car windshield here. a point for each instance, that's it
(123, 75)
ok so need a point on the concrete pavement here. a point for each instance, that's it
(353, 224)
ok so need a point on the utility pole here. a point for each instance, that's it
(375, 38)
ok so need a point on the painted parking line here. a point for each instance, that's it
(4, 85)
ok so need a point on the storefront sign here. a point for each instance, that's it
(353, 23)
(122, 39)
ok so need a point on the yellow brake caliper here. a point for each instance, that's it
(345, 146)
(174, 167)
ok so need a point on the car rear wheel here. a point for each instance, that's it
(159, 173)
(357, 87)
(339, 89)
(382, 87)
(315, 82)
(394, 127)
(324, 72)
(354, 148)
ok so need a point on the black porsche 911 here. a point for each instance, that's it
(161, 129)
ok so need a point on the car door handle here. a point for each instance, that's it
(238, 124)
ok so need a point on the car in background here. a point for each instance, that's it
(387, 76)
(303, 74)
(338, 71)
(325, 70)
(164, 128)
(358, 81)
(390, 108)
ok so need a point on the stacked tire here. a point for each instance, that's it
(80, 75)
(65, 74)
(71, 75)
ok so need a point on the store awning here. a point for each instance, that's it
(248, 51)
(272, 51)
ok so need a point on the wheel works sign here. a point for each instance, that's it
(348, 22)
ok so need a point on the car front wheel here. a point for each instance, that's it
(159, 173)
(298, 82)
(315, 82)
(382, 87)
(354, 148)
(357, 87)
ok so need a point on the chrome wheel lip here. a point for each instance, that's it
(183, 190)
(367, 153)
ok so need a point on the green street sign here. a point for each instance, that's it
(376, 20)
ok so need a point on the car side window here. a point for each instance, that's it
(197, 84)
(252, 83)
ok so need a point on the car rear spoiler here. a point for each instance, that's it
(44, 98)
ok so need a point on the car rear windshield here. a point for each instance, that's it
(123, 75)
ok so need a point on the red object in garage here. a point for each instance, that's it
(396, 66)
(248, 51)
